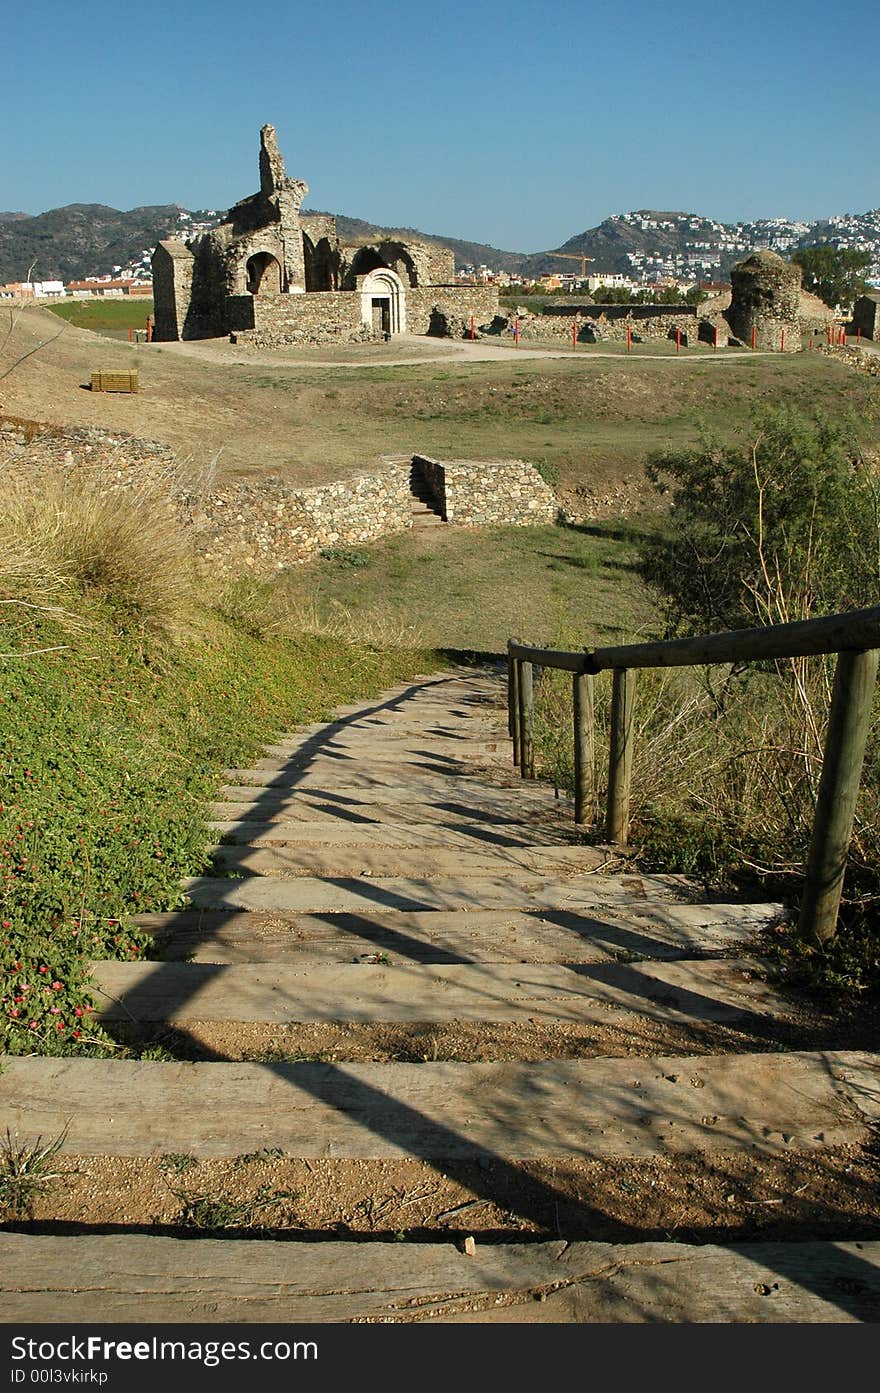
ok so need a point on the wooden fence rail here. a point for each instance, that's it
(854, 636)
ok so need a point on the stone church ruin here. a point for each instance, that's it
(274, 275)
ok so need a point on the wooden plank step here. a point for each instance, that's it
(279, 831)
(708, 990)
(454, 729)
(396, 785)
(425, 862)
(515, 890)
(663, 932)
(258, 804)
(352, 769)
(764, 1103)
(136, 1278)
(369, 744)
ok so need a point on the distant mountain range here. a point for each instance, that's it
(88, 239)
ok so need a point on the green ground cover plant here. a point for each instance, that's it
(124, 692)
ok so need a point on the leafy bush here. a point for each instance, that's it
(783, 530)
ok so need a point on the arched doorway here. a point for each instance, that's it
(263, 274)
(383, 302)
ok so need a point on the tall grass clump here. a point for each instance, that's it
(727, 759)
(65, 538)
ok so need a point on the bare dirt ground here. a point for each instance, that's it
(719, 1197)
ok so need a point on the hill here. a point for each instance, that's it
(91, 239)
(82, 239)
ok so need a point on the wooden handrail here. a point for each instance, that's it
(857, 629)
(854, 635)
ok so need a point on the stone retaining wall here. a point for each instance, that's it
(269, 526)
(486, 493)
(266, 525)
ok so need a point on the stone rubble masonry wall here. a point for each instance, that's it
(485, 493)
(766, 299)
(866, 317)
(267, 525)
(173, 265)
(456, 301)
(321, 316)
(611, 322)
(334, 316)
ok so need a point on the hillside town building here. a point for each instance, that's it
(276, 275)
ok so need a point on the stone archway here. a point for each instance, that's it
(383, 301)
(263, 274)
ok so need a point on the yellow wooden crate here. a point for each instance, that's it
(115, 382)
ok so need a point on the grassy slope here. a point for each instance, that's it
(592, 418)
(465, 589)
(107, 765)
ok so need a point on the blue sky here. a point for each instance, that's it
(510, 124)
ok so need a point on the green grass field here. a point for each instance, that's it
(105, 314)
(474, 589)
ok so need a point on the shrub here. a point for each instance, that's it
(783, 530)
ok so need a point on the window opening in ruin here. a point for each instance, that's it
(263, 275)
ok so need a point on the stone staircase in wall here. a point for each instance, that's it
(424, 510)
(407, 1006)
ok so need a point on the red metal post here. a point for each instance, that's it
(574, 333)
(678, 340)
(516, 332)
(149, 328)
(782, 343)
(715, 339)
(629, 338)
(473, 327)
(754, 335)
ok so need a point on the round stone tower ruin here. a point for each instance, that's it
(766, 301)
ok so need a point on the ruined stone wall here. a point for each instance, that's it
(172, 291)
(766, 301)
(866, 317)
(610, 322)
(323, 316)
(458, 302)
(487, 493)
(318, 225)
(268, 526)
(435, 264)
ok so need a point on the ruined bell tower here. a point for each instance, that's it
(285, 196)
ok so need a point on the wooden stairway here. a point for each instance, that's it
(408, 1005)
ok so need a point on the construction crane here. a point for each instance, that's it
(569, 256)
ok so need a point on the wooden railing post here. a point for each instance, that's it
(516, 712)
(620, 755)
(526, 704)
(848, 724)
(584, 747)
